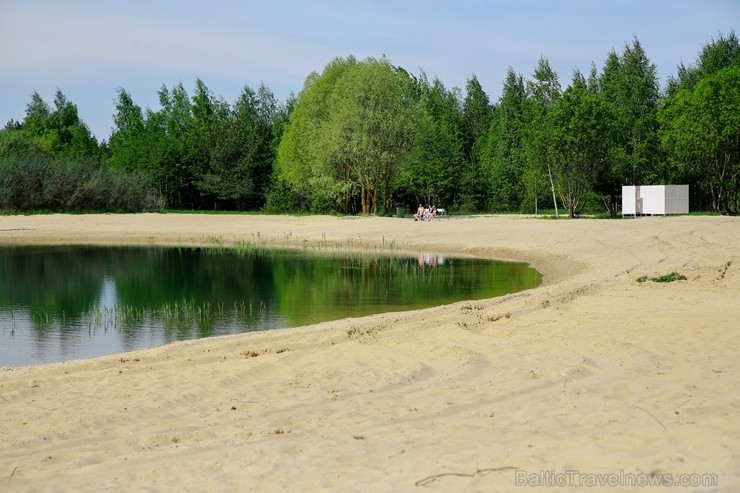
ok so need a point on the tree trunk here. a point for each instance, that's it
(552, 187)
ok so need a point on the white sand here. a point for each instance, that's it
(592, 372)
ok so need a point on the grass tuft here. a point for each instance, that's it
(673, 276)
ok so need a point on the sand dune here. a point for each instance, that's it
(592, 373)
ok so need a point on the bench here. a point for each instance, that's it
(440, 213)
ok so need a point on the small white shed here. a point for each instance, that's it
(642, 200)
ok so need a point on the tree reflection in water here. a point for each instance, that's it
(68, 302)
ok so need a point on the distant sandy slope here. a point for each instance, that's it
(592, 373)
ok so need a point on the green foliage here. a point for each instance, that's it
(128, 149)
(581, 123)
(21, 184)
(477, 113)
(369, 131)
(543, 93)
(283, 198)
(367, 136)
(714, 56)
(200, 151)
(44, 183)
(673, 276)
(684, 110)
(299, 163)
(349, 131)
(432, 171)
(502, 155)
(18, 144)
(242, 152)
(700, 130)
(629, 84)
(59, 132)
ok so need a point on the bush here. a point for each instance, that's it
(38, 182)
(132, 192)
(673, 276)
(21, 184)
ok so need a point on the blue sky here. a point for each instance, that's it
(89, 49)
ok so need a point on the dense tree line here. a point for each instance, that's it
(51, 161)
(364, 135)
(200, 152)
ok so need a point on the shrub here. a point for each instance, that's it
(39, 182)
(673, 276)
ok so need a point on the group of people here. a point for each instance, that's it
(424, 214)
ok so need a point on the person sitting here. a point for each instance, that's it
(419, 216)
(432, 212)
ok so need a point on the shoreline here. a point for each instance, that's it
(590, 371)
(108, 335)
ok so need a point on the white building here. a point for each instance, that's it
(642, 200)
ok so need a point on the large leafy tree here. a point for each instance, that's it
(543, 94)
(209, 121)
(349, 132)
(434, 171)
(477, 112)
(59, 131)
(370, 130)
(271, 118)
(629, 83)
(53, 162)
(701, 131)
(581, 123)
(302, 163)
(16, 143)
(128, 149)
(200, 151)
(503, 154)
(242, 156)
(166, 130)
(717, 54)
(38, 115)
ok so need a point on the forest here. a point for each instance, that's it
(366, 137)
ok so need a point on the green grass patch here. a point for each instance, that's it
(210, 212)
(703, 213)
(673, 276)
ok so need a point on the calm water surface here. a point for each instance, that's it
(59, 303)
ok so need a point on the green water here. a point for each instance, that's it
(59, 303)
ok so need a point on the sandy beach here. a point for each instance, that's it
(591, 377)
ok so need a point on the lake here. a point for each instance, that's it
(59, 303)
